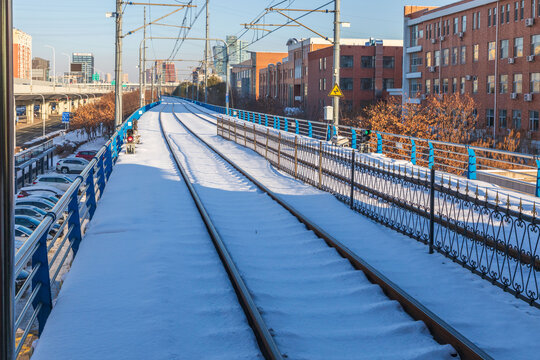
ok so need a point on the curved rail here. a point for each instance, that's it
(441, 330)
(264, 338)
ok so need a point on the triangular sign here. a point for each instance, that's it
(336, 91)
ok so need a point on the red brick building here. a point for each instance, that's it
(367, 73)
(488, 49)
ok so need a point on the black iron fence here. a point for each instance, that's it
(489, 238)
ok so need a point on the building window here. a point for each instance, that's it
(367, 62)
(502, 118)
(366, 84)
(346, 83)
(474, 21)
(428, 58)
(416, 62)
(456, 22)
(436, 89)
(320, 63)
(389, 84)
(504, 49)
(475, 85)
(491, 84)
(516, 119)
(388, 62)
(478, 20)
(428, 86)
(415, 86)
(445, 86)
(476, 48)
(517, 84)
(489, 17)
(533, 120)
(516, 9)
(446, 57)
(454, 85)
(463, 55)
(494, 16)
(491, 50)
(324, 63)
(464, 23)
(490, 117)
(518, 47)
(320, 84)
(502, 14)
(347, 61)
(454, 56)
(507, 13)
(535, 83)
(522, 10)
(324, 84)
(535, 45)
(462, 86)
(437, 56)
(503, 84)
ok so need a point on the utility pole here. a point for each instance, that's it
(337, 35)
(152, 82)
(142, 65)
(144, 60)
(118, 113)
(206, 48)
(7, 120)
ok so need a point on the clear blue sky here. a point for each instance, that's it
(81, 26)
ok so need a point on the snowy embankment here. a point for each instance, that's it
(505, 327)
(146, 283)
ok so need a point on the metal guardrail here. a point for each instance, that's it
(463, 160)
(499, 244)
(33, 152)
(58, 236)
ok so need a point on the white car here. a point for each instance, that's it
(61, 182)
(40, 190)
(71, 165)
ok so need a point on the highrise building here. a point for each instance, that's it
(108, 78)
(125, 78)
(87, 61)
(22, 55)
(237, 53)
(40, 69)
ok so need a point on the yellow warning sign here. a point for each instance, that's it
(336, 91)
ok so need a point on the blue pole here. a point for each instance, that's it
(431, 157)
(297, 127)
(413, 152)
(266, 120)
(259, 119)
(286, 124)
(353, 136)
(379, 143)
(538, 178)
(310, 134)
(471, 171)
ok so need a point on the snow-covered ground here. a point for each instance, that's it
(317, 304)
(503, 326)
(147, 282)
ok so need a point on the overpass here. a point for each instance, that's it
(222, 238)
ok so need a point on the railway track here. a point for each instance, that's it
(297, 275)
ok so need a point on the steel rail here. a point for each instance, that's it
(441, 331)
(265, 340)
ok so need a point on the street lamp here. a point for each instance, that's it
(54, 63)
(118, 114)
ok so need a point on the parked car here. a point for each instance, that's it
(22, 231)
(32, 211)
(71, 165)
(40, 190)
(35, 201)
(61, 182)
(86, 154)
(27, 221)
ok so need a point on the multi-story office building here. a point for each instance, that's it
(245, 76)
(40, 69)
(368, 73)
(22, 55)
(237, 54)
(487, 49)
(169, 72)
(87, 61)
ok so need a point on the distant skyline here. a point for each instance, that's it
(77, 26)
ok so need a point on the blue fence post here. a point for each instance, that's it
(538, 178)
(353, 137)
(265, 119)
(101, 173)
(413, 152)
(310, 130)
(286, 124)
(75, 236)
(334, 131)
(379, 143)
(108, 161)
(42, 279)
(259, 119)
(297, 127)
(471, 170)
(91, 193)
(431, 157)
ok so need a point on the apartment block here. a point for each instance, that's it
(22, 55)
(487, 49)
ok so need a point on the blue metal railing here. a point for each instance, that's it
(60, 233)
(511, 169)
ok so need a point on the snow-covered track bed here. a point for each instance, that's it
(305, 284)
